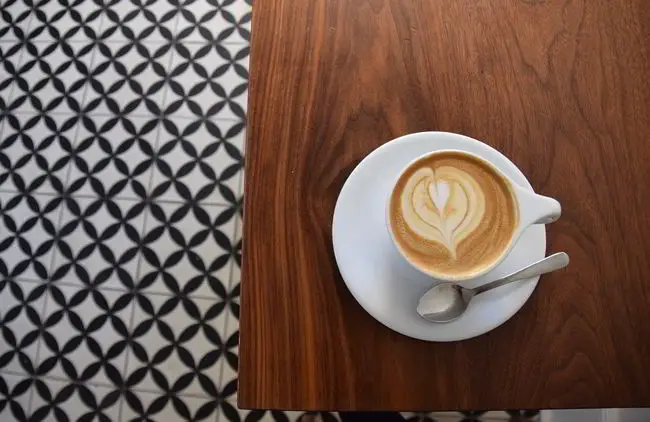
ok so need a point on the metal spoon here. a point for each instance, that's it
(446, 301)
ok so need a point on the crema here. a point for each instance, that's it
(453, 214)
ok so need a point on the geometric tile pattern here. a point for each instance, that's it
(121, 154)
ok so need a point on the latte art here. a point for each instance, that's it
(444, 206)
(452, 214)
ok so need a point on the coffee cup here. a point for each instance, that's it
(455, 216)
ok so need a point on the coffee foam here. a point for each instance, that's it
(452, 214)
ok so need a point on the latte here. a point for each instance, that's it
(452, 214)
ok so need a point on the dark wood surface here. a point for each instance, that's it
(561, 87)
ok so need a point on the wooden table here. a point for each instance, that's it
(561, 87)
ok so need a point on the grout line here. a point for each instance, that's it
(117, 198)
(145, 218)
(238, 223)
(18, 62)
(222, 359)
(113, 289)
(128, 41)
(102, 384)
(84, 97)
(130, 115)
(233, 264)
(39, 346)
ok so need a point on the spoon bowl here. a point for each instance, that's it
(446, 301)
(442, 303)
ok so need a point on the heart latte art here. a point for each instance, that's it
(452, 214)
(444, 206)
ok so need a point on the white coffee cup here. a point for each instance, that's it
(532, 209)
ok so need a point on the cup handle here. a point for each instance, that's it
(537, 209)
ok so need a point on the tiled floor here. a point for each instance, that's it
(121, 155)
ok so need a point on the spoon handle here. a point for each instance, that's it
(543, 266)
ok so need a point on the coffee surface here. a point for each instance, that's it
(452, 214)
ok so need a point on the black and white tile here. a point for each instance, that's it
(21, 308)
(121, 155)
(85, 334)
(15, 393)
(58, 400)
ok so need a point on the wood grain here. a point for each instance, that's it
(561, 87)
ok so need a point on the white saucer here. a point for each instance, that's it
(383, 283)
